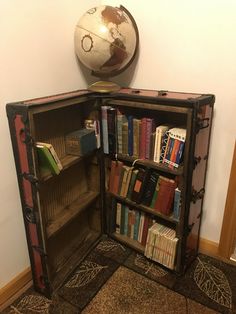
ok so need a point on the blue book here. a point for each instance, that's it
(177, 203)
(130, 135)
(180, 153)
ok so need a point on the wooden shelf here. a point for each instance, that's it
(71, 211)
(146, 209)
(151, 164)
(128, 241)
(67, 161)
(70, 257)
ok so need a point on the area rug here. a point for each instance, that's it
(115, 279)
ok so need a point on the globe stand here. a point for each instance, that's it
(104, 87)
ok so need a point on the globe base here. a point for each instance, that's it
(104, 87)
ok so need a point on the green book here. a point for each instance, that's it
(132, 181)
(46, 161)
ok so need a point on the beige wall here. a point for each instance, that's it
(184, 46)
(36, 59)
(191, 46)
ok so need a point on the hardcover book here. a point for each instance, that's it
(150, 189)
(139, 185)
(46, 161)
(165, 196)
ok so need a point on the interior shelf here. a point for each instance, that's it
(71, 211)
(151, 164)
(67, 161)
(130, 242)
(146, 209)
(73, 254)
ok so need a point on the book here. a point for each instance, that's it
(111, 129)
(132, 182)
(160, 131)
(116, 167)
(142, 139)
(149, 130)
(125, 138)
(47, 162)
(136, 136)
(105, 129)
(136, 224)
(139, 185)
(53, 153)
(120, 119)
(177, 204)
(165, 196)
(130, 135)
(118, 217)
(150, 188)
(124, 178)
(175, 147)
(122, 219)
(126, 219)
(164, 143)
(140, 230)
(127, 182)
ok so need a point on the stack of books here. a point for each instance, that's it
(161, 245)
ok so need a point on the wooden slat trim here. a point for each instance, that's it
(15, 285)
(208, 247)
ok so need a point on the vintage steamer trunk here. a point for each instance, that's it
(65, 215)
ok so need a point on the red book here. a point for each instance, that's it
(174, 153)
(145, 230)
(148, 222)
(165, 196)
(116, 167)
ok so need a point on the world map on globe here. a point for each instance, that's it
(106, 40)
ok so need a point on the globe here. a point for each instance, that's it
(106, 40)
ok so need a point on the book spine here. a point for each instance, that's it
(111, 128)
(169, 150)
(119, 122)
(136, 225)
(105, 129)
(177, 203)
(149, 127)
(164, 146)
(142, 142)
(130, 135)
(118, 217)
(174, 154)
(125, 138)
(126, 220)
(132, 182)
(140, 183)
(136, 137)
(150, 188)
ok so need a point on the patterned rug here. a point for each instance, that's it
(114, 279)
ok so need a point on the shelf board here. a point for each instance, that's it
(145, 209)
(128, 241)
(73, 254)
(71, 211)
(66, 161)
(150, 163)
